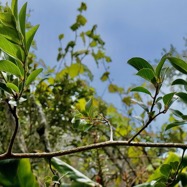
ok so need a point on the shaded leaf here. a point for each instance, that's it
(167, 99)
(10, 67)
(175, 124)
(178, 64)
(139, 63)
(8, 20)
(165, 169)
(30, 35)
(147, 74)
(33, 76)
(182, 96)
(141, 89)
(141, 105)
(179, 81)
(5, 88)
(177, 113)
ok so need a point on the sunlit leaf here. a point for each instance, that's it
(22, 18)
(11, 49)
(33, 76)
(68, 171)
(12, 86)
(175, 124)
(179, 64)
(113, 88)
(30, 35)
(81, 20)
(105, 76)
(14, 7)
(141, 89)
(139, 63)
(8, 20)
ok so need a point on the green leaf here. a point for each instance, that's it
(9, 33)
(139, 63)
(167, 99)
(33, 76)
(89, 105)
(113, 88)
(105, 76)
(14, 7)
(165, 169)
(5, 88)
(83, 7)
(10, 67)
(141, 89)
(141, 104)
(68, 171)
(22, 18)
(61, 36)
(11, 49)
(81, 20)
(182, 96)
(177, 113)
(30, 35)
(147, 74)
(175, 124)
(160, 65)
(178, 64)
(8, 20)
(12, 86)
(179, 81)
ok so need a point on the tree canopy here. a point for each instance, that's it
(56, 131)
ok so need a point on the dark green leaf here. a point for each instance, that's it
(10, 67)
(30, 35)
(11, 49)
(8, 20)
(33, 76)
(82, 7)
(160, 65)
(61, 36)
(22, 18)
(182, 96)
(81, 20)
(178, 64)
(89, 105)
(168, 98)
(141, 89)
(175, 124)
(5, 88)
(147, 74)
(165, 169)
(139, 63)
(177, 113)
(12, 86)
(179, 81)
(105, 76)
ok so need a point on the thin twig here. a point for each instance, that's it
(92, 146)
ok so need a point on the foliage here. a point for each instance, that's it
(56, 109)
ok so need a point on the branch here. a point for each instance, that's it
(13, 111)
(90, 147)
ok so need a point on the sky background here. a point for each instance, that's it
(129, 27)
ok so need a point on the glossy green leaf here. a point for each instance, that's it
(33, 76)
(10, 67)
(178, 64)
(9, 33)
(139, 63)
(145, 107)
(30, 35)
(168, 98)
(105, 76)
(182, 96)
(22, 18)
(14, 7)
(147, 74)
(175, 124)
(11, 49)
(160, 65)
(12, 86)
(141, 89)
(68, 171)
(179, 81)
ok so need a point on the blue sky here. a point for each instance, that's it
(129, 27)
